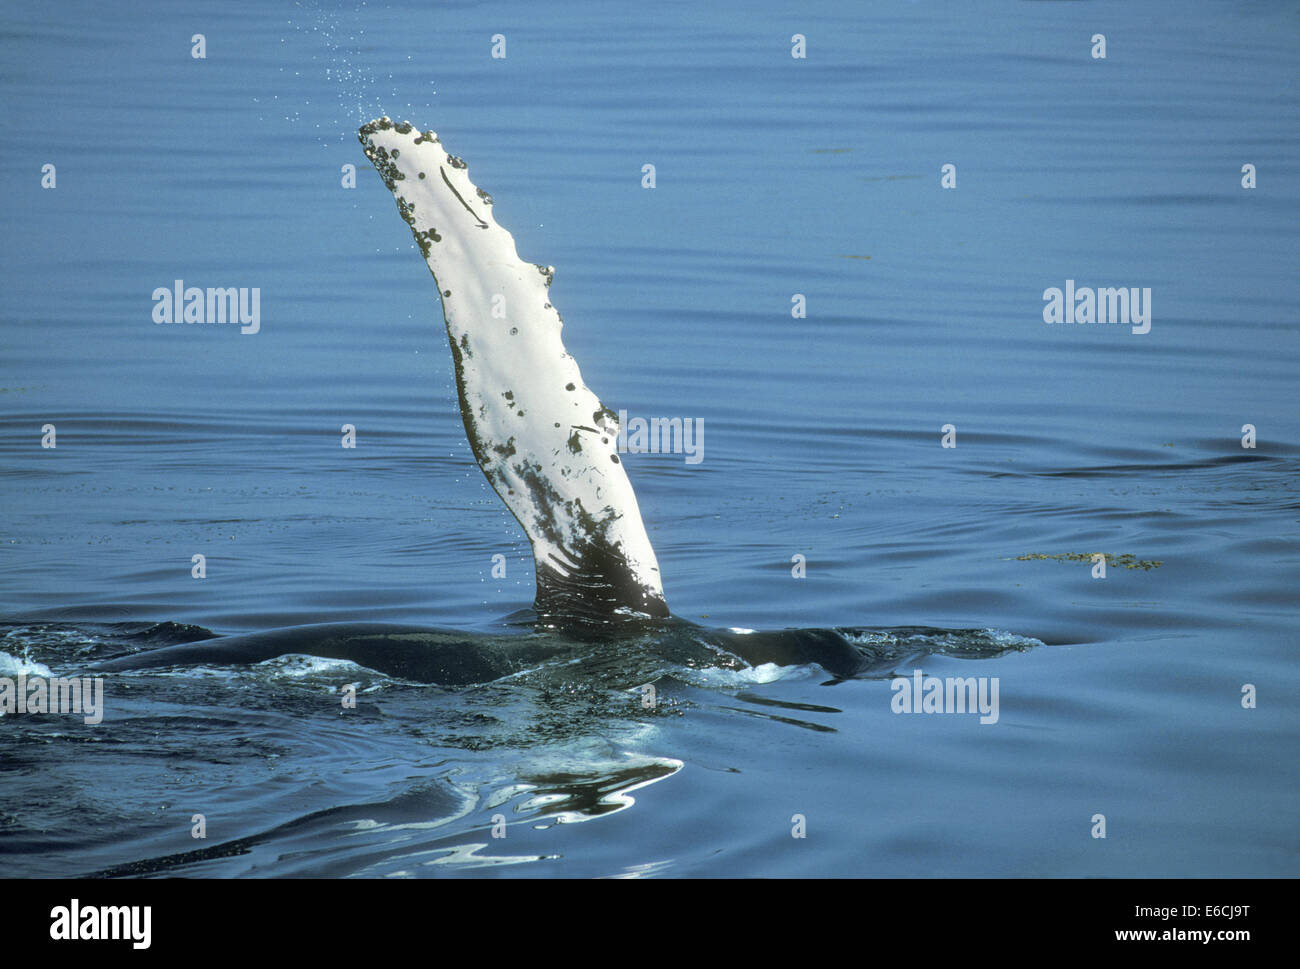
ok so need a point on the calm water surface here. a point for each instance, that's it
(775, 176)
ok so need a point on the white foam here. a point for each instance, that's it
(11, 666)
(712, 678)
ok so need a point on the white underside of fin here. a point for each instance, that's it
(545, 442)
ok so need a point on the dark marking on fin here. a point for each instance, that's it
(443, 172)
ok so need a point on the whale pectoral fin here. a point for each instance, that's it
(545, 442)
(599, 585)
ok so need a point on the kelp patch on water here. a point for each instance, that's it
(1125, 561)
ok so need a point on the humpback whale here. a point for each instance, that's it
(548, 447)
(542, 438)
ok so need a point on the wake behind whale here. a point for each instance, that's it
(548, 446)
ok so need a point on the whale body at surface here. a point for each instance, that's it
(549, 448)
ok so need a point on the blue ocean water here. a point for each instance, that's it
(774, 176)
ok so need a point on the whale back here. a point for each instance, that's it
(542, 438)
